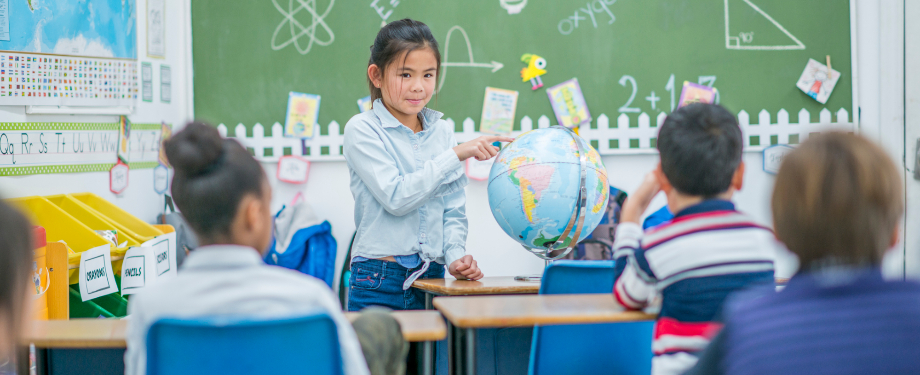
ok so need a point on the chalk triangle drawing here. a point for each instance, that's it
(735, 42)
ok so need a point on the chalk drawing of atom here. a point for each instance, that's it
(297, 30)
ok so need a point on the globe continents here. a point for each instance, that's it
(534, 183)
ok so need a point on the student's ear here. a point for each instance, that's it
(895, 237)
(255, 213)
(738, 177)
(666, 186)
(376, 76)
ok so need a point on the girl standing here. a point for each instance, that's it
(406, 176)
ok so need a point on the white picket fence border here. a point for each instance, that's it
(629, 137)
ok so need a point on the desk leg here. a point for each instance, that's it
(470, 351)
(428, 298)
(41, 361)
(427, 358)
(451, 349)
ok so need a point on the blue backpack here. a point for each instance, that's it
(310, 249)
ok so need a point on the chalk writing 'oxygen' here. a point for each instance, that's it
(570, 23)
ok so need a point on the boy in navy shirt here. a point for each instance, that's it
(837, 205)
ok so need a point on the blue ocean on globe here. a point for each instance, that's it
(534, 183)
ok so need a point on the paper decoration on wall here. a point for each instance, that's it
(365, 104)
(302, 115)
(160, 179)
(817, 82)
(536, 66)
(165, 133)
(293, 169)
(30, 79)
(498, 110)
(124, 139)
(773, 157)
(95, 275)
(695, 93)
(569, 104)
(165, 84)
(118, 178)
(156, 28)
(164, 254)
(147, 82)
(478, 169)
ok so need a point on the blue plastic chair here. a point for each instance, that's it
(610, 348)
(306, 344)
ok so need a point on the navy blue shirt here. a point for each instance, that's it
(829, 322)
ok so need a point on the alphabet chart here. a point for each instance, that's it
(37, 79)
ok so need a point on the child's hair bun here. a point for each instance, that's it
(196, 150)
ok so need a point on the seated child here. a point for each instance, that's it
(707, 251)
(837, 205)
(15, 294)
(225, 197)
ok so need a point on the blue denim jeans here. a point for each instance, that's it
(377, 282)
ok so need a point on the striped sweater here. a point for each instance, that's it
(694, 262)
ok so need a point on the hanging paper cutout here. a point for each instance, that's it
(693, 93)
(817, 82)
(536, 66)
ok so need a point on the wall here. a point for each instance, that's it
(881, 89)
(911, 137)
(139, 198)
(881, 84)
(879, 43)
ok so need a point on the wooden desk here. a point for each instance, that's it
(466, 314)
(78, 333)
(484, 286)
(111, 333)
(417, 325)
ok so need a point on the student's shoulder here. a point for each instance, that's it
(363, 122)
(710, 224)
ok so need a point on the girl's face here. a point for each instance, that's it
(407, 87)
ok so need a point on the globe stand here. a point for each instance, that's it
(576, 220)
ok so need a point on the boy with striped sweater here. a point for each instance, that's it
(706, 252)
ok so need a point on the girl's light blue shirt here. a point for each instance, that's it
(408, 188)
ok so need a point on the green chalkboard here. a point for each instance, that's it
(626, 54)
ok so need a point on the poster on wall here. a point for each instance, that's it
(156, 29)
(59, 54)
(73, 147)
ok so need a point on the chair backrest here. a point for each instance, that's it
(610, 348)
(306, 344)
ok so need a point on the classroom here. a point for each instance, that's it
(459, 187)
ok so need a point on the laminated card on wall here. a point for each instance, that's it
(569, 104)
(498, 110)
(302, 115)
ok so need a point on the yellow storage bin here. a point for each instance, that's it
(94, 220)
(121, 219)
(61, 226)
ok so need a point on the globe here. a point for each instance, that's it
(534, 189)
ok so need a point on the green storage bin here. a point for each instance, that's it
(108, 306)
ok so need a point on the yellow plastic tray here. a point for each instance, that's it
(121, 219)
(61, 226)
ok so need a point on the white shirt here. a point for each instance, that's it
(233, 280)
